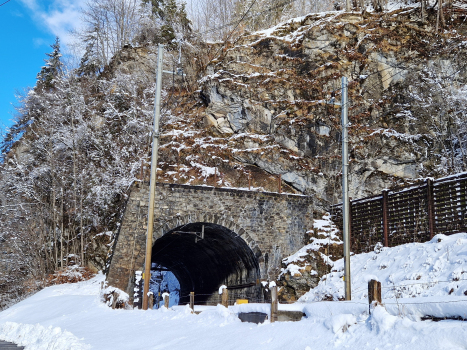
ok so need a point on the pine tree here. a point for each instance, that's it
(172, 17)
(90, 63)
(53, 67)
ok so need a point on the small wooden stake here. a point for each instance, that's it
(151, 301)
(274, 304)
(192, 301)
(374, 293)
(225, 297)
(166, 301)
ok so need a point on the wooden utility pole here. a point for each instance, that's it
(152, 191)
(345, 189)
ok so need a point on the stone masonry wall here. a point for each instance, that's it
(272, 224)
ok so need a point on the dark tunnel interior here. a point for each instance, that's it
(202, 265)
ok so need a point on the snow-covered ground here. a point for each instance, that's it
(421, 276)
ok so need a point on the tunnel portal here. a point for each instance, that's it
(247, 234)
(203, 256)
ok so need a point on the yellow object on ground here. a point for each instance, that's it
(242, 301)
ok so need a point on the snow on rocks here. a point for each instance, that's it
(303, 269)
(115, 298)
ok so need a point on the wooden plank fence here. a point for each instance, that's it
(404, 215)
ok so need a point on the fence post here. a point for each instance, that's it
(385, 218)
(166, 300)
(274, 303)
(225, 297)
(431, 207)
(280, 183)
(374, 293)
(151, 301)
(192, 301)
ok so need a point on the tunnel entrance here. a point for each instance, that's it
(203, 256)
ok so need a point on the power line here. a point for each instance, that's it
(5, 2)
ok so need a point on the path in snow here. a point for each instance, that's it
(9, 346)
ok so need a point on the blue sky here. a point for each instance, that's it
(28, 29)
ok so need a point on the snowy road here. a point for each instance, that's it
(72, 317)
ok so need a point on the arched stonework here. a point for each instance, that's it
(227, 222)
(203, 264)
(273, 225)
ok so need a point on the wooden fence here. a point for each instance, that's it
(404, 215)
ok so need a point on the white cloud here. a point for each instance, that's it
(59, 17)
(40, 42)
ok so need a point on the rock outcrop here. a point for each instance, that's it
(284, 84)
(304, 269)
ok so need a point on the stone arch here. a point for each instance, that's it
(222, 257)
(228, 222)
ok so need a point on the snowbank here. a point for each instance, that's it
(40, 337)
(434, 268)
(71, 316)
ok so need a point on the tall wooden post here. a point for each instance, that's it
(274, 304)
(225, 297)
(192, 301)
(166, 300)
(431, 207)
(385, 218)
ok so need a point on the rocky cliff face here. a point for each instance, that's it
(271, 96)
